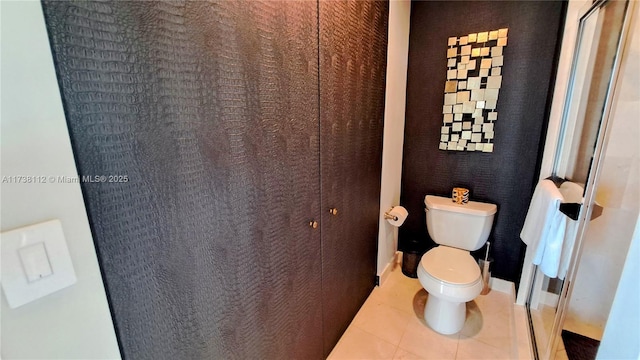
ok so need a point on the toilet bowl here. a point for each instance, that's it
(448, 272)
(451, 277)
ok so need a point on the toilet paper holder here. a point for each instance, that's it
(388, 216)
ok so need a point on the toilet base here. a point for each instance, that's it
(445, 317)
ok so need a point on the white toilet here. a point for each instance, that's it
(448, 272)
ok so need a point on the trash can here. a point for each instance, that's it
(413, 251)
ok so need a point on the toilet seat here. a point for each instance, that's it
(451, 266)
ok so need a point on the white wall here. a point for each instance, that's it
(73, 323)
(395, 101)
(621, 339)
(607, 238)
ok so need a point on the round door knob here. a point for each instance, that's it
(333, 211)
(313, 224)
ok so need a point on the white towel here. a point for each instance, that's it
(571, 233)
(544, 227)
(572, 193)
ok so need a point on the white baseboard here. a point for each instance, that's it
(502, 286)
(395, 262)
(384, 275)
(549, 299)
(399, 258)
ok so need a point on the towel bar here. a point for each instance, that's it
(572, 210)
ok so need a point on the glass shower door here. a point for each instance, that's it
(578, 159)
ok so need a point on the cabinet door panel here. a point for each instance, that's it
(353, 47)
(211, 111)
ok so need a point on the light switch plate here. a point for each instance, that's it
(35, 262)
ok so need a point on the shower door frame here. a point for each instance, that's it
(531, 283)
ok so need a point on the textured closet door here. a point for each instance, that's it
(210, 111)
(353, 48)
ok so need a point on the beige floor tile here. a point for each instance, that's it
(424, 342)
(398, 291)
(523, 337)
(391, 325)
(491, 328)
(494, 302)
(382, 320)
(469, 348)
(401, 278)
(402, 354)
(359, 344)
(543, 319)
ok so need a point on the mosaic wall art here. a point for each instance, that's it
(474, 76)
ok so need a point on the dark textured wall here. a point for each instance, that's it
(211, 110)
(507, 176)
(232, 140)
(353, 48)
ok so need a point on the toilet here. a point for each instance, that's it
(448, 272)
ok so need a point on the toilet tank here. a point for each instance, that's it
(463, 226)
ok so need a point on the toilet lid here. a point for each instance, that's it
(451, 265)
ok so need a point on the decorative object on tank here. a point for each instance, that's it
(474, 76)
(460, 195)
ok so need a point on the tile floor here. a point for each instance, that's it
(542, 319)
(542, 323)
(390, 325)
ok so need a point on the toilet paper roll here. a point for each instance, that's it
(399, 213)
